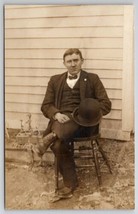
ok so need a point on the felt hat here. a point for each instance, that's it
(88, 113)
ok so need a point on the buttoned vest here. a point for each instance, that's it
(70, 98)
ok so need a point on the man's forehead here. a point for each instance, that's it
(72, 56)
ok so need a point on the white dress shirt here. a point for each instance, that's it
(71, 82)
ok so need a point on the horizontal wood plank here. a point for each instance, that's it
(111, 54)
(41, 81)
(115, 134)
(105, 132)
(114, 114)
(50, 63)
(77, 32)
(21, 72)
(23, 6)
(111, 124)
(13, 120)
(24, 98)
(102, 21)
(40, 90)
(37, 99)
(64, 43)
(23, 108)
(38, 120)
(35, 109)
(74, 10)
(113, 94)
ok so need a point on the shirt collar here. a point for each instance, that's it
(78, 75)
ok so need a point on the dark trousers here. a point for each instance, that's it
(62, 148)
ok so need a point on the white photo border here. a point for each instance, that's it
(75, 2)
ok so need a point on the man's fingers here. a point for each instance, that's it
(64, 119)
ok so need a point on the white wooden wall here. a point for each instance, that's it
(36, 36)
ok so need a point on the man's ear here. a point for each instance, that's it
(82, 61)
(64, 63)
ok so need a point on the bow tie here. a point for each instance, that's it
(73, 77)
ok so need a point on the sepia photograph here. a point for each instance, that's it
(69, 107)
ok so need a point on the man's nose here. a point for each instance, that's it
(72, 63)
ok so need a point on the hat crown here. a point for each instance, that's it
(88, 113)
(89, 109)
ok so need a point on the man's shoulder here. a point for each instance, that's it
(90, 74)
(58, 76)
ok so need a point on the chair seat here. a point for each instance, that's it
(86, 138)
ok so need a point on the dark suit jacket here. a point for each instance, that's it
(90, 87)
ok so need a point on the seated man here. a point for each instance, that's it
(66, 93)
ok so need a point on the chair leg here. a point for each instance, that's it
(96, 162)
(104, 156)
(56, 173)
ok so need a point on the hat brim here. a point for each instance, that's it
(83, 122)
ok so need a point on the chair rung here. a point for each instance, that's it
(83, 149)
(86, 165)
(84, 156)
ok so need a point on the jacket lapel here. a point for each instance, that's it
(83, 83)
(59, 89)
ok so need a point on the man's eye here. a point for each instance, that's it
(70, 61)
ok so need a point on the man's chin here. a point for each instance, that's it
(74, 72)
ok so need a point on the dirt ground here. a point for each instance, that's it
(33, 189)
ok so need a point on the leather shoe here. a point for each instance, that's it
(59, 196)
(64, 191)
(48, 140)
(43, 144)
(72, 187)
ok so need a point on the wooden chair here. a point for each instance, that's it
(95, 149)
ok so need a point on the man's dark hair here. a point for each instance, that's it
(72, 51)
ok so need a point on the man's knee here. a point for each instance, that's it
(65, 131)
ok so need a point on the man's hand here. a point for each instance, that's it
(61, 118)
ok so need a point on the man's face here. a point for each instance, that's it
(73, 63)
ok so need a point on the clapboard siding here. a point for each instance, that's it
(65, 22)
(40, 63)
(24, 72)
(110, 54)
(40, 90)
(29, 104)
(63, 11)
(37, 99)
(64, 43)
(97, 32)
(39, 121)
(35, 109)
(43, 81)
(36, 36)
